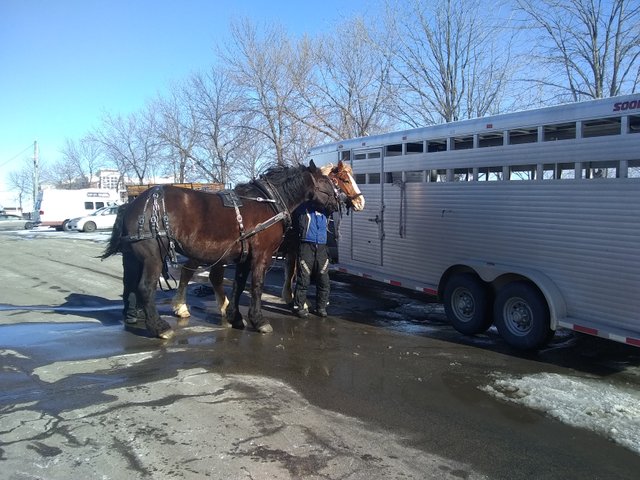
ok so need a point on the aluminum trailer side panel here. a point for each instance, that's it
(582, 234)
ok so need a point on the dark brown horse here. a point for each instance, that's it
(349, 193)
(165, 220)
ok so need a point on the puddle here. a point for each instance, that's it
(20, 335)
(34, 308)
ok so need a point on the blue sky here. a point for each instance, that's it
(66, 62)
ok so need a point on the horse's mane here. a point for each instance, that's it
(326, 169)
(288, 181)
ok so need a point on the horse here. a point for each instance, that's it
(349, 193)
(164, 220)
(342, 177)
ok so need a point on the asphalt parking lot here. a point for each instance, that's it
(382, 388)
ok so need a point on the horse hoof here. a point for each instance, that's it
(182, 311)
(238, 325)
(167, 334)
(266, 328)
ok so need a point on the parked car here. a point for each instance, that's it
(101, 219)
(14, 222)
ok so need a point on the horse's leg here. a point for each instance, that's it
(289, 248)
(258, 271)
(151, 270)
(216, 277)
(233, 312)
(179, 303)
(131, 271)
(289, 272)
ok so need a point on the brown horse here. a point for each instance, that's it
(165, 220)
(342, 177)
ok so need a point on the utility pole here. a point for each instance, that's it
(36, 176)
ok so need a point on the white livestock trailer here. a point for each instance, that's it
(529, 220)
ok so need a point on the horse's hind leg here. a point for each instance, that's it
(216, 277)
(179, 303)
(132, 271)
(151, 270)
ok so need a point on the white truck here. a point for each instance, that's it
(55, 207)
(529, 221)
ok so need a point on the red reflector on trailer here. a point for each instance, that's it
(590, 331)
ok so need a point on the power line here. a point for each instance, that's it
(17, 155)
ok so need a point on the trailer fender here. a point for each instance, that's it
(490, 272)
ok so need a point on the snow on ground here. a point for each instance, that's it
(101, 235)
(586, 403)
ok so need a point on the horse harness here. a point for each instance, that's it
(159, 225)
(155, 228)
(230, 199)
(271, 196)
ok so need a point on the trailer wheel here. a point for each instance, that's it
(89, 227)
(467, 303)
(521, 315)
(65, 226)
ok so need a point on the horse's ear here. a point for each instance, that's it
(312, 166)
(340, 165)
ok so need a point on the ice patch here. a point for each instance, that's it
(608, 410)
(59, 370)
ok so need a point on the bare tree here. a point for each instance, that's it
(586, 48)
(218, 106)
(342, 83)
(176, 130)
(64, 174)
(22, 181)
(80, 161)
(258, 63)
(450, 61)
(130, 143)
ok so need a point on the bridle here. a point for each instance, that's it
(343, 197)
(319, 190)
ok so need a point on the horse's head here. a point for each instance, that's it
(324, 195)
(342, 177)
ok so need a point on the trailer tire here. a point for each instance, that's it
(89, 227)
(65, 226)
(467, 303)
(521, 315)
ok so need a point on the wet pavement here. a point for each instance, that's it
(382, 388)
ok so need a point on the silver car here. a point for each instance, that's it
(14, 222)
(104, 218)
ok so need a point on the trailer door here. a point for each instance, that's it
(367, 229)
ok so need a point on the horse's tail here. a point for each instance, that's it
(115, 241)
